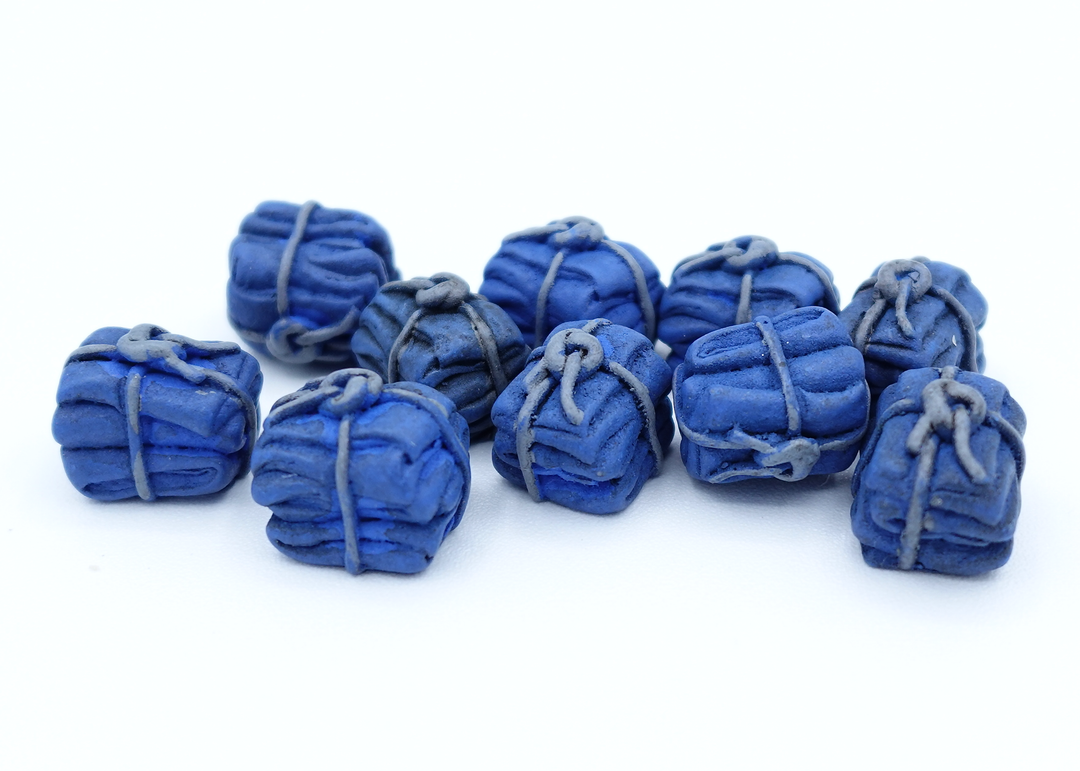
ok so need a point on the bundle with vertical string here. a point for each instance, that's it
(145, 413)
(938, 485)
(782, 397)
(588, 420)
(736, 281)
(362, 475)
(299, 277)
(913, 314)
(570, 270)
(434, 331)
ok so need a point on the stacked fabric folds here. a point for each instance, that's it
(145, 413)
(299, 277)
(434, 331)
(587, 421)
(914, 314)
(782, 397)
(736, 281)
(567, 271)
(938, 485)
(362, 475)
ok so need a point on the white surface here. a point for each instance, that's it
(733, 627)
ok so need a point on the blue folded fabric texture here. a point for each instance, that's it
(569, 270)
(938, 485)
(362, 475)
(913, 314)
(145, 413)
(587, 421)
(782, 397)
(299, 277)
(735, 281)
(436, 332)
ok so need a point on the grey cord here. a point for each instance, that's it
(559, 233)
(800, 452)
(567, 355)
(890, 287)
(447, 292)
(147, 342)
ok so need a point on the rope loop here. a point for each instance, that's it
(950, 410)
(748, 253)
(447, 292)
(901, 282)
(577, 234)
(584, 348)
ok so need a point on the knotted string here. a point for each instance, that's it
(446, 292)
(150, 347)
(343, 394)
(798, 452)
(900, 283)
(578, 234)
(950, 410)
(570, 355)
(297, 340)
(752, 254)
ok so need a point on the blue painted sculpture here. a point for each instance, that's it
(587, 422)
(362, 475)
(913, 314)
(736, 281)
(938, 485)
(145, 413)
(434, 331)
(569, 270)
(299, 277)
(782, 397)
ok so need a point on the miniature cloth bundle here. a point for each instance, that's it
(299, 277)
(362, 475)
(736, 281)
(782, 397)
(938, 485)
(567, 271)
(914, 314)
(587, 422)
(145, 413)
(434, 331)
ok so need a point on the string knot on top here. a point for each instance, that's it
(901, 282)
(747, 253)
(570, 354)
(445, 291)
(950, 410)
(154, 346)
(577, 234)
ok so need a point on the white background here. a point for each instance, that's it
(730, 627)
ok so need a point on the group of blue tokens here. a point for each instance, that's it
(368, 467)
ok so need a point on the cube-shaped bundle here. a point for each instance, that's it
(587, 421)
(362, 475)
(434, 331)
(782, 397)
(299, 277)
(913, 314)
(938, 485)
(567, 271)
(736, 281)
(145, 413)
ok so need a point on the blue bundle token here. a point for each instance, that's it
(434, 331)
(782, 397)
(736, 281)
(362, 475)
(913, 314)
(569, 270)
(938, 485)
(587, 422)
(144, 413)
(299, 277)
